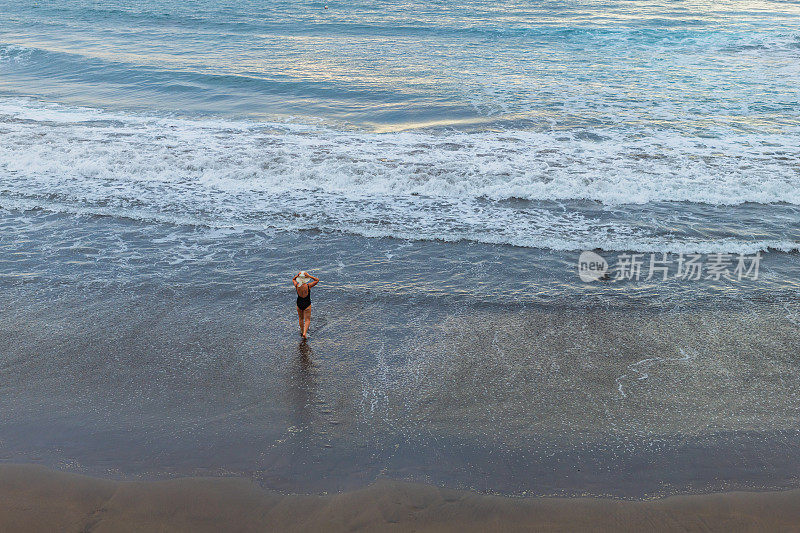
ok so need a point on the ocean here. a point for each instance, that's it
(166, 167)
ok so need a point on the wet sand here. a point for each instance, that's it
(130, 368)
(34, 498)
(524, 401)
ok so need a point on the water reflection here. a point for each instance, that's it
(303, 387)
(303, 396)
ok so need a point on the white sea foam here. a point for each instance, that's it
(449, 186)
(14, 53)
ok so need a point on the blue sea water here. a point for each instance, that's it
(647, 126)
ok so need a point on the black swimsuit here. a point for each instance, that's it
(304, 301)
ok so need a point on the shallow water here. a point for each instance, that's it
(450, 363)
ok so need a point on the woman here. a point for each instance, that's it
(303, 281)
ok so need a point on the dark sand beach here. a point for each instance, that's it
(33, 498)
(177, 398)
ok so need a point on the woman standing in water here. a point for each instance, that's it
(303, 281)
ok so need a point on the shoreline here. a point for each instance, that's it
(539, 402)
(36, 498)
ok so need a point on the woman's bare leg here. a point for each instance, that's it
(307, 316)
(300, 317)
